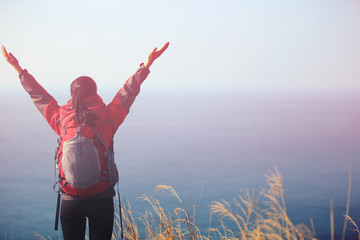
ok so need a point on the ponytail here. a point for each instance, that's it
(80, 90)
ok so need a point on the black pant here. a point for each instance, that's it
(100, 213)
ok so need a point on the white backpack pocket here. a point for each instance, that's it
(80, 162)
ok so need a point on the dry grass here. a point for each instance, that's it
(261, 220)
(261, 216)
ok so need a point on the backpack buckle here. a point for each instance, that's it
(59, 188)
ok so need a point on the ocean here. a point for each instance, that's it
(208, 144)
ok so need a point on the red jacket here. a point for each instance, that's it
(62, 119)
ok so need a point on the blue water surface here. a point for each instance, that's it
(208, 142)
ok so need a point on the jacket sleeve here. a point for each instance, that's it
(120, 105)
(44, 102)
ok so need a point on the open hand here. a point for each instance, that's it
(11, 59)
(154, 54)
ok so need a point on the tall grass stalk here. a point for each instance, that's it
(347, 204)
(356, 228)
(313, 227)
(332, 219)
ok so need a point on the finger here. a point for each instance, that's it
(154, 50)
(12, 56)
(3, 50)
(166, 45)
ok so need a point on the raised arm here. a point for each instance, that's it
(123, 100)
(44, 102)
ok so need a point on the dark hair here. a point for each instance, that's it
(80, 88)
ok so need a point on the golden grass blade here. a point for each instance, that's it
(170, 189)
(332, 219)
(356, 227)
(313, 228)
(347, 204)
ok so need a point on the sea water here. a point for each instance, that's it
(208, 144)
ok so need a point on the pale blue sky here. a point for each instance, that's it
(261, 44)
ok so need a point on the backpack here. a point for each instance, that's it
(85, 167)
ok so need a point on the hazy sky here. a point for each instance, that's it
(301, 44)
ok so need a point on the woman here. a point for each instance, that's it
(85, 115)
